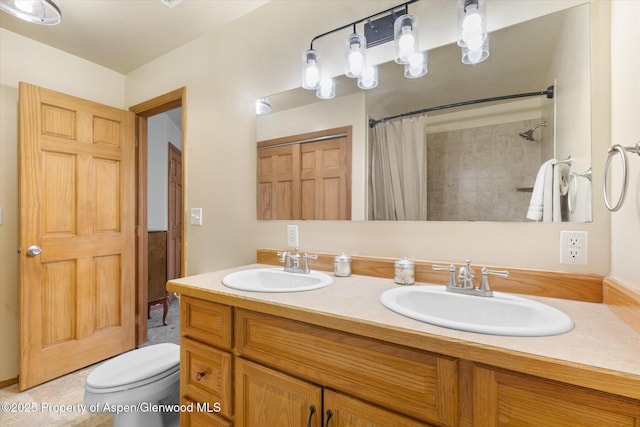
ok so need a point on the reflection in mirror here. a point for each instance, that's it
(483, 162)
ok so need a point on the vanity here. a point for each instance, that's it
(335, 356)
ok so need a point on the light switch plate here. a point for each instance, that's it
(196, 216)
(0, 216)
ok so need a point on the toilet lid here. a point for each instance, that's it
(156, 361)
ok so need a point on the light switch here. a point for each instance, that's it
(196, 216)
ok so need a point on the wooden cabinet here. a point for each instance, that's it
(266, 370)
(270, 398)
(411, 382)
(305, 180)
(266, 397)
(503, 398)
(206, 363)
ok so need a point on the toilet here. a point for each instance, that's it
(134, 385)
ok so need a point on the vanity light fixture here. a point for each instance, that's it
(472, 31)
(44, 12)
(376, 32)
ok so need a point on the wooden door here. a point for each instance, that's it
(325, 190)
(270, 398)
(279, 182)
(174, 234)
(77, 203)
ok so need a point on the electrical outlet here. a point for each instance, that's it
(292, 235)
(196, 216)
(573, 247)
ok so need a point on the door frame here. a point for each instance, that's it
(144, 110)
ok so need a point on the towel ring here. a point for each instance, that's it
(572, 200)
(617, 148)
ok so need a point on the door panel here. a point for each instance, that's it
(77, 203)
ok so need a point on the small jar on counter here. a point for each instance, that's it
(404, 274)
(342, 265)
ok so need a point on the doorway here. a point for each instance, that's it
(167, 219)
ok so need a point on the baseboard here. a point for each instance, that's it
(572, 286)
(623, 301)
(7, 383)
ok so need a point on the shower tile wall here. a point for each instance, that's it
(473, 174)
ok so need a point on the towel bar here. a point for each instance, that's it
(617, 148)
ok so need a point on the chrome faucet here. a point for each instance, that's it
(296, 263)
(464, 283)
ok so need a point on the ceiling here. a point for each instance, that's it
(122, 35)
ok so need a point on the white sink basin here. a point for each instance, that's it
(275, 280)
(502, 314)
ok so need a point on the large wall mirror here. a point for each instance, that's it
(495, 161)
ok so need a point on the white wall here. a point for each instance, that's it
(161, 131)
(625, 104)
(25, 60)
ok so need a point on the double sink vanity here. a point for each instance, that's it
(267, 347)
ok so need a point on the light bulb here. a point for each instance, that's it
(417, 65)
(407, 41)
(356, 62)
(369, 78)
(326, 90)
(474, 55)
(311, 74)
(472, 32)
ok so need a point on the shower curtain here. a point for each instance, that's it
(399, 170)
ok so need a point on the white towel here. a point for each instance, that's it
(560, 188)
(540, 206)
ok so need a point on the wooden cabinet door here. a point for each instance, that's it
(326, 180)
(343, 411)
(504, 398)
(265, 397)
(279, 182)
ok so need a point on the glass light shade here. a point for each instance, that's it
(44, 12)
(417, 65)
(310, 70)
(405, 35)
(355, 60)
(326, 89)
(475, 56)
(472, 23)
(369, 78)
(263, 106)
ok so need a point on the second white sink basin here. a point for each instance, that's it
(275, 280)
(502, 314)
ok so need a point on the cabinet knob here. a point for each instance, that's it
(200, 375)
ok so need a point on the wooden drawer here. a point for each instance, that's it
(206, 375)
(201, 419)
(508, 398)
(206, 321)
(347, 411)
(416, 383)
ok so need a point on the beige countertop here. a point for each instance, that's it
(601, 351)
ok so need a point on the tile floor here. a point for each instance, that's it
(48, 402)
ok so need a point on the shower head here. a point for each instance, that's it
(528, 135)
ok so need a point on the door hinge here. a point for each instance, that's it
(135, 140)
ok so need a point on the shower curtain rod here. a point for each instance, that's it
(548, 93)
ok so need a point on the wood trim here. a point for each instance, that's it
(623, 301)
(305, 136)
(7, 383)
(160, 104)
(143, 110)
(554, 284)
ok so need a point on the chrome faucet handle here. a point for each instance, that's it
(452, 273)
(305, 261)
(283, 255)
(484, 283)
